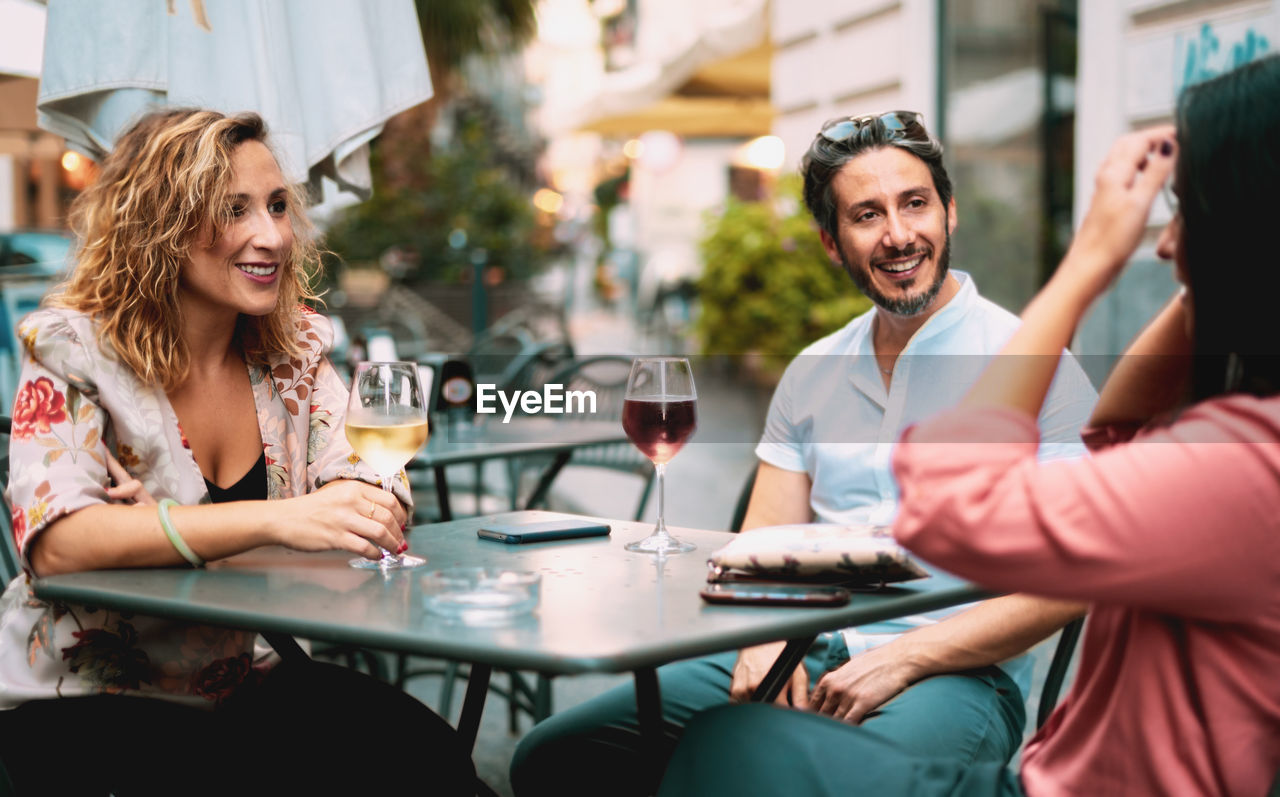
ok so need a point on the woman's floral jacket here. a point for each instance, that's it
(76, 401)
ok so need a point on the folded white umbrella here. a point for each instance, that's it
(325, 74)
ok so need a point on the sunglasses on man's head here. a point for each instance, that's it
(898, 124)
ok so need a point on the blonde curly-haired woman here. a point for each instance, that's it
(179, 361)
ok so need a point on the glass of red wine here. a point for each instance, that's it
(659, 415)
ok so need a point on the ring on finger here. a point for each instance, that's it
(373, 506)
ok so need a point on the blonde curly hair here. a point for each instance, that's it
(168, 177)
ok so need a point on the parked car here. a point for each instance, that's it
(37, 253)
(31, 262)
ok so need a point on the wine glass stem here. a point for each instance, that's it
(389, 557)
(660, 468)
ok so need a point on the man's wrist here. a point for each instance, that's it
(911, 659)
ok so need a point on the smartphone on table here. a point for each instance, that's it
(766, 594)
(517, 533)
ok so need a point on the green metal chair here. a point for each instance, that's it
(744, 500)
(9, 561)
(606, 376)
(1058, 666)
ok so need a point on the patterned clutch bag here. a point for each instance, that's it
(827, 552)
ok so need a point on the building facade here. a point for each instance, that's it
(1135, 58)
(34, 185)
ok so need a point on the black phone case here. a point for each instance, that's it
(540, 532)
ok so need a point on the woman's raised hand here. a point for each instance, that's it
(343, 515)
(1127, 184)
(1124, 189)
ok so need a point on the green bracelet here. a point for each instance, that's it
(175, 539)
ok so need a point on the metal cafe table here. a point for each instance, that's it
(523, 436)
(603, 609)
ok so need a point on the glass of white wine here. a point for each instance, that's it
(386, 425)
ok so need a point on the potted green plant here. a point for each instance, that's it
(767, 288)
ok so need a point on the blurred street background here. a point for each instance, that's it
(642, 150)
(520, 184)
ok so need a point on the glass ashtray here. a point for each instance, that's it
(481, 595)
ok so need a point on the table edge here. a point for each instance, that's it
(548, 663)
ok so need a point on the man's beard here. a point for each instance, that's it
(909, 305)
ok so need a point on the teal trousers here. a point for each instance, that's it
(765, 751)
(595, 748)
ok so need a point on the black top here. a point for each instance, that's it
(251, 487)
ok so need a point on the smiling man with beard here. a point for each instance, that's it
(898, 260)
(952, 682)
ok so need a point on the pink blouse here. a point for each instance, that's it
(1175, 538)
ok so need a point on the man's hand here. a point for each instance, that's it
(991, 632)
(753, 665)
(862, 684)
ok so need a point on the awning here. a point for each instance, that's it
(325, 74)
(712, 84)
(692, 117)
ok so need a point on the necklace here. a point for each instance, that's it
(885, 371)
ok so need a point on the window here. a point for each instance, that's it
(1007, 94)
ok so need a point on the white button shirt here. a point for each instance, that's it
(832, 417)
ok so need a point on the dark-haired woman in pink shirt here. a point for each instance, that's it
(1171, 529)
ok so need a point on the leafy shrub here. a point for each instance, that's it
(767, 285)
(458, 199)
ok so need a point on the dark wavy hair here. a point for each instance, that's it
(1228, 186)
(825, 158)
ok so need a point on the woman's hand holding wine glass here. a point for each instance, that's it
(343, 515)
(386, 425)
